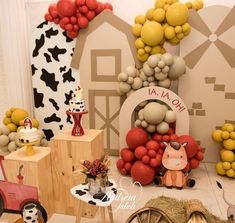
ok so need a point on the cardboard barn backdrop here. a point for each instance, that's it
(96, 62)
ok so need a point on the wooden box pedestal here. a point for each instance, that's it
(67, 153)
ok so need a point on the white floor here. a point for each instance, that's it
(205, 190)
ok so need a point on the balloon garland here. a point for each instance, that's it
(73, 15)
(166, 22)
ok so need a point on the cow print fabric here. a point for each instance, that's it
(101, 199)
(53, 78)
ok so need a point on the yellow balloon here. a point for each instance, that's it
(178, 29)
(6, 121)
(189, 5)
(140, 19)
(174, 41)
(217, 135)
(219, 168)
(169, 32)
(229, 144)
(149, 14)
(12, 127)
(177, 14)
(186, 27)
(156, 49)
(152, 33)
(159, 3)
(136, 29)
(139, 43)
(159, 15)
(143, 58)
(180, 36)
(141, 52)
(147, 49)
(197, 5)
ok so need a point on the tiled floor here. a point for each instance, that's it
(205, 190)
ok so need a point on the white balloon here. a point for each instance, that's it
(170, 117)
(153, 61)
(167, 58)
(160, 76)
(166, 83)
(177, 69)
(122, 77)
(148, 71)
(162, 128)
(131, 71)
(154, 113)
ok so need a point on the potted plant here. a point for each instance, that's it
(96, 174)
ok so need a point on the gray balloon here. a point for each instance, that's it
(177, 69)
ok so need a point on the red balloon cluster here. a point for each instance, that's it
(73, 15)
(143, 157)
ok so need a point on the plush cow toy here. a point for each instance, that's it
(174, 160)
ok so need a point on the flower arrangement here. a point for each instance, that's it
(97, 169)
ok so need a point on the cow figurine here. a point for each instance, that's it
(174, 160)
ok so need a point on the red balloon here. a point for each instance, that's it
(140, 151)
(120, 164)
(157, 137)
(48, 17)
(66, 8)
(90, 15)
(72, 34)
(84, 9)
(160, 151)
(162, 145)
(159, 159)
(69, 27)
(82, 22)
(99, 8)
(136, 137)
(123, 171)
(54, 14)
(152, 145)
(127, 155)
(152, 153)
(63, 22)
(194, 163)
(153, 163)
(56, 20)
(92, 4)
(171, 131)
(75, 27)
(173, 137)
(73, 20)
(199, 148)
(128, 166)
(199, 156)
(142, 173)
(108, 6)
(191, 147)
(145, 159)
(165, 138)
(51, 8)
(80, 2)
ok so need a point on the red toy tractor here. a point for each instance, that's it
(14, 196)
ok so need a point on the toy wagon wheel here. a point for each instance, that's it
(150, 211)
(1, 206)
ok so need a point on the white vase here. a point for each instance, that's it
(96, 186)
(30, 213)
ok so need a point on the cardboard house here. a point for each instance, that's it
(102, 51)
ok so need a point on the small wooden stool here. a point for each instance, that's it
(81, 193)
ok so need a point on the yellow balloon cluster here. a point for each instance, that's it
(14, 119)
(226, 137)
(167, 21)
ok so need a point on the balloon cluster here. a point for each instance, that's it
(143, 156)
(14, 119)
(158, 70)
(75, 15)
(155, 117)
(226, 137)
(167, 21)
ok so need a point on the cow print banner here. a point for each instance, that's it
(53, 78)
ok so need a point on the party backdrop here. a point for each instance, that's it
(53, 78)
(208, 89)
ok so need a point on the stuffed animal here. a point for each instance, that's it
(174, 160)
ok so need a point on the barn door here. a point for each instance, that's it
(104, 114)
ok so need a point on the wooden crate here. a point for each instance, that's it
(36, 172)
(67, 153)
